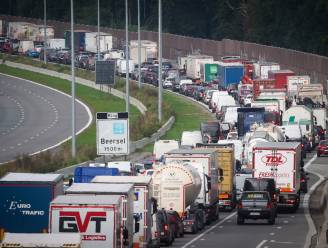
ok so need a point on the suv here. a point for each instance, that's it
(263, 184)
(165, 228)
(256, 205)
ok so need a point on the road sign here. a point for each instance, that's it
(105, 72)
(112, 133)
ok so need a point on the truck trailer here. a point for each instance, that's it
(282, 162)
(25, 200)
(247, 117)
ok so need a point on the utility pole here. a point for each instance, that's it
(139, 48)
(73, 82)
(160, 86)
(127, 99)
(45, 31)
(98, 40)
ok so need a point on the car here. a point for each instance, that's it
(304, 179)
(322, 148)
(256, 205)
(165, 228)
(232, 135)
(177, 223)
(210, 131)
(168, 83)
(33, 53)
(248, 100)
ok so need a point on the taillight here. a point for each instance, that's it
(302, 180)
(269, 205)
(166, 227)
(302, 145)
(240, 205)
(156, 234)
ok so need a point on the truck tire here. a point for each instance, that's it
(272, 220)
(240, 220)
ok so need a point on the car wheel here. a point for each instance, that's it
(318, 154)
(194, 229)
(240, 220)
(272, 220)
(181, 234)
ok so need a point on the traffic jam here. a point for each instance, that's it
(248, 159)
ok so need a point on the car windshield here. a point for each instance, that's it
(212, 130)
(255, 196)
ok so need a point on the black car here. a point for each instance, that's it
(165, 227)
(256, 205)
(210, 131)
(304, 179)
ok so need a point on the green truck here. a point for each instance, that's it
(208, 71)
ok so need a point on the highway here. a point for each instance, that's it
(34, 117)
(290, 230)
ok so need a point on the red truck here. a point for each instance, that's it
(280, 77)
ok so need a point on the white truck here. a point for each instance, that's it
(176, 186)
(56, 43)
(293, 82)
(124, 190)
(194, 63)
(163, 146)
(31, 240)
(25, 45)
(320, 117)
(143, 204)
(191, 138)
(302, 115)
(206, 158)
(134, 54)
(91, 42)
(262, 68)
(271, 105)
(151, 48)
(97, 218)
(282, 162)
(121, 67)
(280, 96)
(312, 91)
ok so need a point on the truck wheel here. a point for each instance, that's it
(240, 220)
(194, 229)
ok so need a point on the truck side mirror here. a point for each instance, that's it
(125, 236)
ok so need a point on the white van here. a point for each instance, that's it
(191, 138)
(231, 115)
(292, 132)
(163, 146)
(125, 167)
(25, 45)
(225, 101)
(215, 98)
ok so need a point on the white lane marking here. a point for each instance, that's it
(208, 230)
(272, 234)
(286, 221)
(306, 202)
(220, 226)
(279, 227)
(202, 239)
(281, 242)
(87, 109)
(262, 243)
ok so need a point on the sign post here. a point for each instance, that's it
(113, 133)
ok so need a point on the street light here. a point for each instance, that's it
(45, 31)
(73, 82)
(160, 86)
(98, 40)
(127, 100)
(139, 48)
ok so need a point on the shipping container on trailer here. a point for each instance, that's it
(262, 68)
(124, 190)
(247, 117)
(25, 200)
(193, 64)
(84, 174)
(36, 240)
(143, 204)
(282, 162)
(97, 218)
(151, 48)
(79, 39)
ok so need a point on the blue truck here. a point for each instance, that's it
(25, 200)
(230, 73)
(247, 117)
(79, 40)
(86, 174)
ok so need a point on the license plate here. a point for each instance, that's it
(255, 214)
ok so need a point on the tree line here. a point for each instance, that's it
(296, 24)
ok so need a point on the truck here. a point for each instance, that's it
(97, 218)
(151, 48)
(25, 45)
(22, 31)
(320, 117)
(121, 67)
(3, 29)
(207, 159)
(56, 43)
(163, 146)
(91, 42)
(84, 174)
(50, 32)
(230, 73)
(134, 54)
(293, 82)
(36, 240)
(312, 91)
(176, 186)
(226, 161)
(282, 162)
(25, 199)
(302, 115)
(280, 76)
(262, 69)
(261, 84)
(124, 190)
(277, 94)
(143, 206)
(208, 71)
(247, 117)
(194, 63)
(79, 39)
(271, 105)
(182, 62)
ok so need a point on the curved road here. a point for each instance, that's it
(34, 117)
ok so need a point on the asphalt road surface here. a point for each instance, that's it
(290, 230)
(34, 117)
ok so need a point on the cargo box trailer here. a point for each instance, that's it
(56, 43)
(143, 204)
(151, 48)
(230, 73)
(91, 42)
(86, 174)
(282, 162)
(134, 54)
(262, 68)
(79, 40)
(293, 82)
(194, 63)
(22, 31)
(25, 200)
(97, 218)
(247, 117)
(280, 76)
(124, 190)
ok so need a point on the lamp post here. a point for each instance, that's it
(127, 99)
(160, 86)
(73, 82)
(45, 31)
